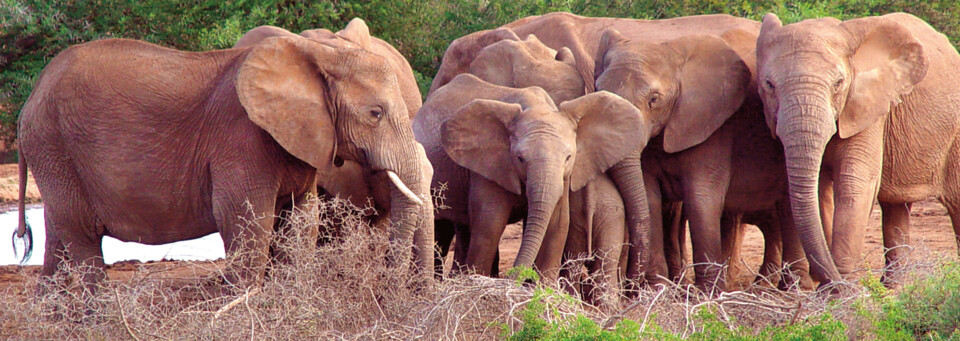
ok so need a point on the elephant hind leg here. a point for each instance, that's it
(896, 237)
(951, 192)
(953, 209)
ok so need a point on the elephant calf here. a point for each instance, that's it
(148, 144)
(504, 151)
(598, 231)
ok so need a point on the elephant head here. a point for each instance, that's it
(526, 63)
(348, 179)
(527, 145)
(321, 102)
(688, 87)
(824, 78)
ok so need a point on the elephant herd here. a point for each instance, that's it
(607, 137)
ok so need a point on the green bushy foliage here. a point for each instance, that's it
(928, 308)
(34, 31)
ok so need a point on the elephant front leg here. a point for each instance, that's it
(896, 237)
(826, 205)
(656, 267)
(245, 220)
(675, 226)
(489, 208)
(704, 212)
(731, 238)
(856, 173)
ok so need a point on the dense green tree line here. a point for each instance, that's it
(34, 31)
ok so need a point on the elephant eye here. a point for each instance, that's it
(376, 113)
(520, 158)
(770, 85)
(568, 158)
(836, 86)
(653, 100)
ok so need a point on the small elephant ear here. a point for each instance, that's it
(477, 137)
(494, 63)
(887, 63)
(770, 23)
(356, 32)
(714, 82)
(609, 128)
(258, 34)
(462, 51)
(282, 86)
(608, 40)
(565, 55)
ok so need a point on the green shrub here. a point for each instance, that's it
(541, 321)
(928, 308)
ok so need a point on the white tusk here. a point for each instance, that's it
(403, 188)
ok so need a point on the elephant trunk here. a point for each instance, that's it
(628, 176)
(408, 200)
(545, 186)
(805, 134)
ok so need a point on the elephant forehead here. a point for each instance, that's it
(811, 36)
(543, 125)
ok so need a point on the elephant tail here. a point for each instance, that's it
(23, 232)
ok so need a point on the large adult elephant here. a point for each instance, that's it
(507, 153)
(148, 144)
(348, 179)
(871, 105)
(711, 74)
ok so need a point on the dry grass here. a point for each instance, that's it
(346, 289)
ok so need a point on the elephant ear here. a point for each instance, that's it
(495, 63)
(565, 55)
(283, 87)
(476, 137)
(258, 34)
(887, 63)
(356, 32)
(770, 23)
(608, 40)
(714, 81)
(462, 51)
(609, 128)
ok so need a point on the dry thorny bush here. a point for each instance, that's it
(346, 289)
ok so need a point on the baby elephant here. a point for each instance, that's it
(505, 153)
(597, 222)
